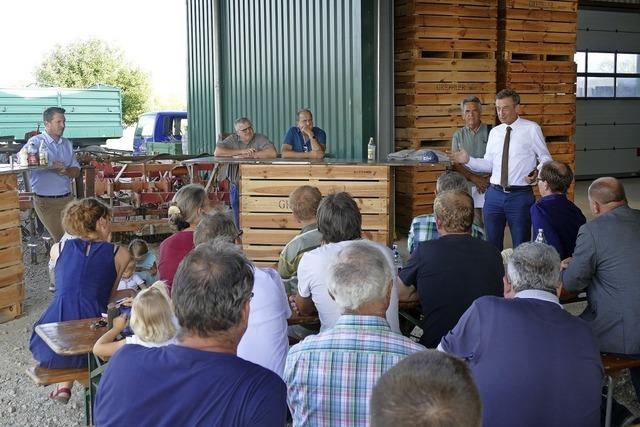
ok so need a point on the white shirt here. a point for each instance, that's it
(130, 282)
(525, 147)
(312, 275)
(134, 339)
(539, 295)
(265, 341)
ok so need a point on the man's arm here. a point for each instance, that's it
(480, 181)
(288, 153)
(582, 267)
(268, 152)
(406, 293)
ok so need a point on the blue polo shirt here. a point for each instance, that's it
(49, 182)
(296, 140)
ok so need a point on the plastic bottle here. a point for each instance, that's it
(43, 154)
(24, 157)
(371, 150)
(397, 262)
(32, 154)
(540, 238)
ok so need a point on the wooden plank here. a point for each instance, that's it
(538, 109)
(286, 221)
(547, 48)
(448, 45)
(427, 133)
(254, 252)
(8, 182)
(252, 187)
(446, 21)
(455, 10)
(540, 15)
(46, 376)
(9, 200)
(406, 97)
(553, 88)
(11, 275)
(547, 98)
(10, 312)
(446, 64)
(435, 122)
(551, 5)
(561, 148)
(454, 87)
(9, 219)
(304, 172)
(457, 33)
(415, 199)
(540, 78)
(10, 237)
(419, 177)
(282, 237)
(452, 76)
(540, 67)
(12, 294)
(541, 26)
(558, 130)
(442, 110)
(415, 188)
(539, 37)
(281, 204)
(10, 256)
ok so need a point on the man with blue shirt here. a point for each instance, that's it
(513, 151)
(554, 214)
(52, 187)
(304, 141)
(534, 363)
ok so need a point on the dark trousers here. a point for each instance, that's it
(512, 208)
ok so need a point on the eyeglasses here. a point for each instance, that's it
(247, 129)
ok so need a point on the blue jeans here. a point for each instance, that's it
(502, 208)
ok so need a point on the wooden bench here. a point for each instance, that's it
(613, 365)
(47, 376)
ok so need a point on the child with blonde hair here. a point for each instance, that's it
(152, 322)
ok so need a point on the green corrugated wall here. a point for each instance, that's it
(200, 78)
(278, 56)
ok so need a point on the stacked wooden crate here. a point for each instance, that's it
(537, 41)
(444, 52)
(265, 216)
(11, 264)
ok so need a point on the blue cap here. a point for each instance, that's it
(429, 157)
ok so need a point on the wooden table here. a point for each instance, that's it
(71, 338)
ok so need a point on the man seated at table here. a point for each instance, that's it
(534, 363)
(556, 215)
(304, 141)
(201, 381)
(449, 273)
(423, 227)
(303, 202)
(330, 376)
(265, 341)
(429, 388)
(340, 223)
(245, 142)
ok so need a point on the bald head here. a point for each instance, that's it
(605, 194)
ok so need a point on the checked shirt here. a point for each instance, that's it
(423, 228)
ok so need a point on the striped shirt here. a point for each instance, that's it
(330, 376)
(423, 228)
(308, 239)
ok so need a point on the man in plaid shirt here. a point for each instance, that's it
(330, 376)
(423, 227)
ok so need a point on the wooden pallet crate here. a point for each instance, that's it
(266, 219)
(415, 192)
(460, 8)
(12, 293)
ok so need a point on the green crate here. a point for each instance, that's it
(173, 148)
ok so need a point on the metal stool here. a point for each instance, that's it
(613, 365)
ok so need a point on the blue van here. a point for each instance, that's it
(159, 126)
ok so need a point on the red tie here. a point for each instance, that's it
(504, 172)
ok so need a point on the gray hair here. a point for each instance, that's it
(48, 114)
(210, 288)
(473, 100)
(241, 120)
(509, 93)
(534, 266)
(451, 181)
(359, 274)
(429, 388)
(303, 110)
(216, 225)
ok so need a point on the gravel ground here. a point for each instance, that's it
(22, 403)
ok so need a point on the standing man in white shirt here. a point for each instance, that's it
(516, 148)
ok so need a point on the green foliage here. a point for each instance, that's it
(86, 63)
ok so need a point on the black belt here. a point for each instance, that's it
(512, 188)
(53, 197)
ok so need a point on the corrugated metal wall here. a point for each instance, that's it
(200, 75)
(278, 56)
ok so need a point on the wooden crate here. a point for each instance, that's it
(12, 293)
(266, 219)
(415, 192)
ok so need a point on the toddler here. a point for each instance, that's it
(145, 260)
(129, 279)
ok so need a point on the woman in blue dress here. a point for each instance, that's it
(87, 272)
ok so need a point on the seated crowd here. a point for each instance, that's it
(211, 347)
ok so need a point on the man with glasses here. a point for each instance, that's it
(304, 141)
(245, 142)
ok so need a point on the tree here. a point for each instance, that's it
(86, 63)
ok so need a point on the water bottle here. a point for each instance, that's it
(371, 150)
(32, 154)
(24, 157)
(43, 153)
(540, 238)
(397, 262)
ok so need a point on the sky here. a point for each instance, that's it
(152, 35)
